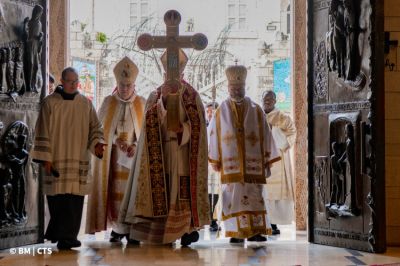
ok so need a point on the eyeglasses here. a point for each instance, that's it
(72, 82)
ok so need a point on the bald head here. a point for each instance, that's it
(269, 94)
(269, 101)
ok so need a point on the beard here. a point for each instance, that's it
(237, 99)
(237, 96)
(268, 109)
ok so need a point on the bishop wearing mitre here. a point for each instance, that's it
(121, 114)
(242, 149)
(166, 197)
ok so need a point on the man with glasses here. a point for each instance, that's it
(121, 114)
(67, 130)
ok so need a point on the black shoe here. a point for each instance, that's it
(257, 238)
(185, 240)
(236, 240)
(75, 243)
(214, 226)
(116, 238)
(133, 241)
(63, 245)
(276, 232)
(188, 239)
(195, 236)
(68, 244)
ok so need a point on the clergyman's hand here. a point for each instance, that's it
(178, 130)
(131, 150)
(122, 145)
(216, 167)
(47, 167)
(166, 89)
(99, 149)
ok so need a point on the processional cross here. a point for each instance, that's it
(172, 42)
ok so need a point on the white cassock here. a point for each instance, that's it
(280, 184)
(241, 142)
(121, 119)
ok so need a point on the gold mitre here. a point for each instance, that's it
(183, 59)
(236, 74)
(126, 71)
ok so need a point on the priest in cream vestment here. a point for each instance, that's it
(121, 115)
(67, 130)
(280, 184)
(242, 149)
(166, 197)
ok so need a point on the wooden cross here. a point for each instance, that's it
(172, 42)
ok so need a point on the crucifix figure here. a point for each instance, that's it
(172, 42)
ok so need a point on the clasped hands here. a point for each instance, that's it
(125, 147)
(168, 89)
(216, 167)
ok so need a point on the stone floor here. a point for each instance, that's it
(287, 249)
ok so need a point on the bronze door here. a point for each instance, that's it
(346, 124)
(23, 67)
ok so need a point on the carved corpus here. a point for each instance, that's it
(343, 53)
(12, 191)
(344, 130)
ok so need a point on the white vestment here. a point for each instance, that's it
(121, 119)
(280, 184)
(241, 143)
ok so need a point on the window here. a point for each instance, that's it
(144, 9)
(231, 10)
(139, 11)
(133, 14)
(237, 11)
(242, 10)
(134, 9)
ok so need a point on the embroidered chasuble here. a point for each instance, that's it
(166, 194)
(280, 184)
(121, 119)
(242, 144)
(66, 131)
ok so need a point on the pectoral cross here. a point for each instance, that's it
(172, 42)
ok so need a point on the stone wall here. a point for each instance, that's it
(300, 110)
(58, 41)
